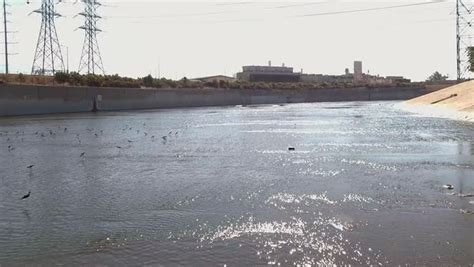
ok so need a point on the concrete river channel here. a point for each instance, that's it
(365, 185)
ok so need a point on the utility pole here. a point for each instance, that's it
(6, 34)
(48, 57)
(67, 57)
(91, 60)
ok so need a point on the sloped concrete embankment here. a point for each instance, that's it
(29, 100)
(454, 102)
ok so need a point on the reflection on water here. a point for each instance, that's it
(218, 186)
(466, 148)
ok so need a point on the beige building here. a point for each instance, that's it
(358, 74)
(268, 74)
(215, 78)
(321, 78)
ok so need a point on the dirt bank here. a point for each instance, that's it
(455, 102)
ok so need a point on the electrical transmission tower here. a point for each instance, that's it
(464, 24)
(48, 57)
(91, 61)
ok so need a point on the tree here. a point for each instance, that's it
(437, 77)
(148, 81)
(470, 52)
(184, 81)
(21, 77)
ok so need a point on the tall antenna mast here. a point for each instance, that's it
(464, 21)
(91, 61)
(6, 40)
(5, 28)
(48, 57)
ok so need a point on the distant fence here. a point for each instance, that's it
(29, 100)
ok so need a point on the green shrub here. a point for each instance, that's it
(93, 80)
(61, 77)
(21, 78)
(75, 78)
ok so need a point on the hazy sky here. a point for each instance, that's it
(193, 39)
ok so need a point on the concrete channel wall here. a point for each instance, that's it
(29, 100)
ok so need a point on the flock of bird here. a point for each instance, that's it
(19, 136)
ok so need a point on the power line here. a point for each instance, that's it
(96, 47)
(275, 7)
(370, 9)
(235, 3)
(301, 5)
(172, 15)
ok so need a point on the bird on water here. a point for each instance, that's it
(448, 186)
(27, 195)
(31, 166)
(82, 154)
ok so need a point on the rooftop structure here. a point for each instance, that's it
(270, 69)
(268, 74)
(358, 74)
(285, 74)
(217, 78)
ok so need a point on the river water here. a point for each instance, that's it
(219, 186)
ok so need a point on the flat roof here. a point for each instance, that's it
(213, 76)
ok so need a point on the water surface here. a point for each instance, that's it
(218, 186)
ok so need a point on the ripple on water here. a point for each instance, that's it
(371, 165)
(297, 241)
(357, 198)
(283, 152)
(321, 172)
(350, 147)
(282, 200)
(311, 131)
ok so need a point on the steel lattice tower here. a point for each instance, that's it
(464, 23)
(91, 61)
(48, 57)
